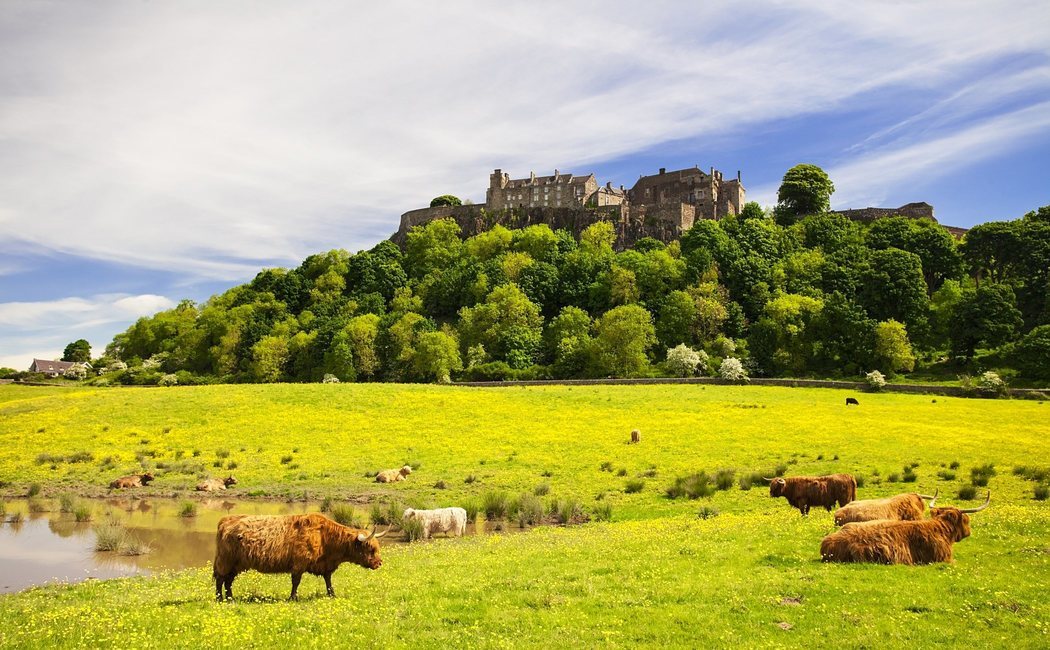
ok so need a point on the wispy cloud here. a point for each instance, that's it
(42, 329)
(213, 139)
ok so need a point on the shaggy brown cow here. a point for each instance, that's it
(900, 507)
(803, 492)
(901, 542)
(216, 485)
(295, 544)
(133, 481)
(636, 437)
(393, 475)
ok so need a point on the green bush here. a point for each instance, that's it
(413, 529)
(1042, 492)
(495, 505)
(529, 510)
(346, 515)
(634, 486)
(967, 493)
(82, 512)
(473, 507)
(34, 490)
(980, 476)
(602, 512)
(692, 486)
(724, 479)
(187, 509)
(567, 511)
(109, 536)
(543, 489)
(707, 512)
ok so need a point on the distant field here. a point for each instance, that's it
(656, 574)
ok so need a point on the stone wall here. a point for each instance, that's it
(665, 221)
(910, 210)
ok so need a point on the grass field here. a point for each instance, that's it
(656, 574)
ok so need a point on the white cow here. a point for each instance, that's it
(443, 520)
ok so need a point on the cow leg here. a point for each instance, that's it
(328, 584)
(218, 587)
(296, 577)
(804, 508)
(229, 586)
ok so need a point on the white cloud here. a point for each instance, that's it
(42, 329)
(212, 139)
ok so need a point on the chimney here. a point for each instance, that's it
(738, 176)
(608, 185)
(663, 170)
(532, 177)
(555, 175)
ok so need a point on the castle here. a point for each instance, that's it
(662, 206)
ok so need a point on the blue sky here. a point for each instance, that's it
(151, 152)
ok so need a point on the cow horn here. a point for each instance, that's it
(929, 498)
(987, 500)
(377, 536)
(767, 480)
(933, 500)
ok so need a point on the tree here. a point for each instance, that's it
(445, 199)
(1031, 355)
(566, 341)
(984, 317)
(893, 287)
(933, 244)
(892, 349)
(682, 360)
(622, 340)
(269, 356)
(805, 189)
(79, 351)
(432, 247)
(677, 319)
(436, 357)
(508, 324)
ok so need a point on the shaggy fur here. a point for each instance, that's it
(900, 507)
(442, 520)
(636, 436)
(294, 544)
(216, 485)
(803, 492)
(898, 542)
(393, 475)
(133, 481)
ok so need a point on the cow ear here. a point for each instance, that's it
(361, 537)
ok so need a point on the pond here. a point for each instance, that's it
(39, 544)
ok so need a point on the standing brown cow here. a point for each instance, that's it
(901, 542)
(294, 544)
(133, 481)
(899, 507)
(803, 492)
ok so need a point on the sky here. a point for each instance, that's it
(152, 152)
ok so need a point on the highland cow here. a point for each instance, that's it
(442, 520)
(294, 544)
(133, 481)
(804, 492)
(393, 475)
(900, 507)
(216, 485)
(901, 542)
(636, 437)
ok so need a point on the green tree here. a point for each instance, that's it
(79, 351)
(445, 199)
(893, 287)
(933, 244)
(1031, 355)
(436, 357)
(539, 242)
(432, 247)
(782, 340)
(985, 317)
(269, 356)
(623, 336)
(892, 349)
(508, 324)
(805, 189)
(676, 322)
(566, 342)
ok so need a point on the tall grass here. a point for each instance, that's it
(188, 509)
(347, 516)
(82, 512)
(494, 504)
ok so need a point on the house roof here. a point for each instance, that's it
(41, 365)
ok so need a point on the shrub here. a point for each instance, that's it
(168, 380)
(440, 485)
(542, 490)
(470, 479)
(36, 506)
(529, 509)
(682, 360)
(567, 511)
(732, 370)
(329, 378)
(546, 473)
(860, 480)
(346, 515)
(707, 512)
(649, 473)
(622, 471)
(780, 470)
(723, 347)
(875, 380)
(495, 504)
(132, 546)
(82, 512)
(909, 476)
(377, 514)
(979, 476)
(413, 529)
(602, 512)
(286, 459)
(991, 384)
(724, 479)
(692, 486)
(66, 502)
(222, 453)
(967, 493)
(1042, 492)
(746, 481)
(34, 490)
(893, 478)
(634, 485)
(109, 536)
(946, 475)
(395, 511)
(473, 507)
(954, 465)
(187, 509)
(326, 504)
(606, 466)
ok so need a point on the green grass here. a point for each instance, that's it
(659, 574)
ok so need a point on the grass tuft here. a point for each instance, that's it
(692, 486)
(187, 509)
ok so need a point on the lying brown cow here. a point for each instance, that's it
(803, 492)
(216, 485)
(900, 507)
(901, 542)
(393, 475)
(294, 544)
(133, 481)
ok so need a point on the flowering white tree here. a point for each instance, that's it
(682, 360)
(875, 380)
(991, 383)
(168, 380)
(330, 379)
(732, 370)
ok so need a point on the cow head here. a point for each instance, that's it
(146, 478)
(366, 549)
(228, 481)
(408, 514)
(406, 470)
(958, 519)
(777, 486)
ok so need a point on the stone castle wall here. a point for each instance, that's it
(663, 221)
